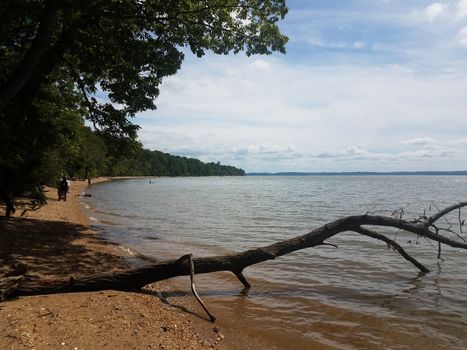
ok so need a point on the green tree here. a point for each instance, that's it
(58, 56)
(124, 47)
(91, 158)
(35, 135)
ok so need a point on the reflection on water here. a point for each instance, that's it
(358, 296)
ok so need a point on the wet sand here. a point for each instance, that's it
(56, 240)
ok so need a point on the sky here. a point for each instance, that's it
(365, 85)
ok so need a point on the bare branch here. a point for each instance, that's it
(189, 257)
(450, 231)
(393, 244)
(444, 212)
(461, 222)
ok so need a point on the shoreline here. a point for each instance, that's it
(58, 240)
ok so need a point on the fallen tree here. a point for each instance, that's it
(135, 278)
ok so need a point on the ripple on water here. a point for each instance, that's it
(358, 296)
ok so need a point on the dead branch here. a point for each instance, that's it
(193, 287)
(444, 212)
(393, 244)
(138, 277)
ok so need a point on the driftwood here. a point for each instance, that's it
(136, 278)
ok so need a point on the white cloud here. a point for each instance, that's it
(429, 152)
(299, 117)
(419, 141)
(348, 152)
(463, 36)
(459, 141)
(261, 65)
(359, 45)
(434, 11)
(316, 40)
(356, 81)
(462, 8)
(266, 149)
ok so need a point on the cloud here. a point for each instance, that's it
(462, 35)
(462, 141)
(359, 45)
(261, 65)
(358, 78)
(462, 8)
(434, 11)
(419, 141)
(266, 149)
(301, 117)
(349, 152)
(427, 152)
(317, 41)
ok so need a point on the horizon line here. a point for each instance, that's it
(403, 172)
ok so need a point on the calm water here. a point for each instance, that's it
(359, 296)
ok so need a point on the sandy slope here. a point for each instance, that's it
(55, 240)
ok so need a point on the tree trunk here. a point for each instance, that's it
(136, 278)
(9, 205)
(22, 75)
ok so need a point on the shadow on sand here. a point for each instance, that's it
(53, 248)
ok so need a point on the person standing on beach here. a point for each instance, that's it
(63, 189)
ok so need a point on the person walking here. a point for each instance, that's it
(63, 189)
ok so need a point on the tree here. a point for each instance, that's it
(125, 47)
(91, 155)
(38, 138)
(119, 50)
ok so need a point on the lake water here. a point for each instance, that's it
(358, 296)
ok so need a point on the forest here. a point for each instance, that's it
(144, 162)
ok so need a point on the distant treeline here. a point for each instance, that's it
(156, 163)
(99, 155)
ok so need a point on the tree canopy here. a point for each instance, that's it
(58, 56)
(124, 47)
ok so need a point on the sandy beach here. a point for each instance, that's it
(57, 240)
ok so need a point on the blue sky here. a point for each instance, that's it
(366, 85)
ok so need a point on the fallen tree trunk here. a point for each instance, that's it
(136, 278)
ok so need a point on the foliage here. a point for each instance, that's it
(63, 62)
(156, 163)
(38, 140)
(137, 161)
(125, 48)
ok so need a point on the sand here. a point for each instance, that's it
(57, 240)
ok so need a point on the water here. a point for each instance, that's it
(358, 296)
